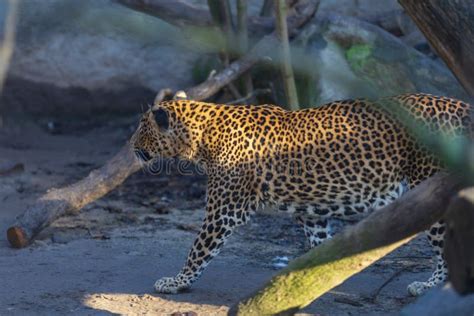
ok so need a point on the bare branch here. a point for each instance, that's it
(182, 13)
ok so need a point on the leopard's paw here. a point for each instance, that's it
(418, 288)
(170, 285)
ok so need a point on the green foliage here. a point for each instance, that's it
(358, 55)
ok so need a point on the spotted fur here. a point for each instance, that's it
(341, 160)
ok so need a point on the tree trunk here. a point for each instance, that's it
(449, 27)
(334, 261)
(285, 56)
(243, 40)
(459, 250)
(266, 45)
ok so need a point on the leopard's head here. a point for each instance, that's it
(157, 135)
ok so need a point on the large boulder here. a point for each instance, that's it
(350, 58)
(92, 55)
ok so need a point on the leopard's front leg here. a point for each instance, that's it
(225, 211)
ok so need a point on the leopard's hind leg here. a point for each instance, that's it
(315, 229)
(436, 237)
(423, 168)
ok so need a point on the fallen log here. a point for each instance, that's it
(328, 265)
(59, 202)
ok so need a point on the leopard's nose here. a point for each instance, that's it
(143, 154)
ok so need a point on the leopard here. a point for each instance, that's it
(339, 160)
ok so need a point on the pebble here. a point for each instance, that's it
(279, 262)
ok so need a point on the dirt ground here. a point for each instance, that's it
(105, 260)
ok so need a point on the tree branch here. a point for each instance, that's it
(182, 13)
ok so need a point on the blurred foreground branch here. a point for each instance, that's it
(328, 265)
(70, 199)
(7, 44)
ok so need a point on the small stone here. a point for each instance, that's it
(63, 237)
(128, 218)
(161, 209)
(113, 209)
(280, 262)
(8, 168)
(188, 227)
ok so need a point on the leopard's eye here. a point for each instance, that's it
(161, 118)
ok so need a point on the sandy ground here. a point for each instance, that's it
(105, 259)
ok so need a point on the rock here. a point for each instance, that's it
(162, 209)
(441, 302)
(8, 168)
(188, 227)
(128, 218)
(279, 262)
(65, 236)
(90, 55)
(353, 59)
(113, 209)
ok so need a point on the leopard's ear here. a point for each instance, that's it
(161, 118)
